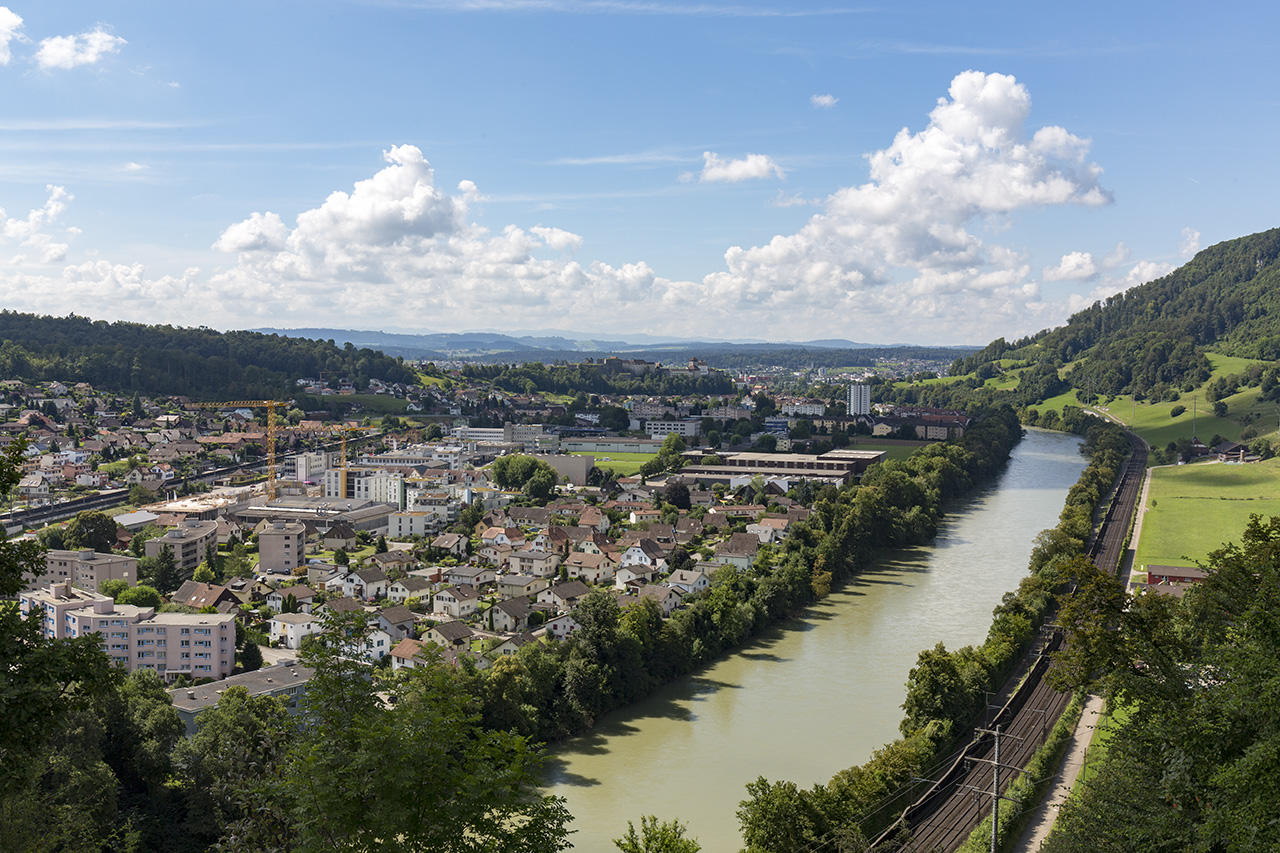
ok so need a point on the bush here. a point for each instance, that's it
(1177, 410)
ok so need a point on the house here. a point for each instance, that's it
(591, 568)
(770, 529)
(510, 615)
(739, 550)
(514, 586)
(689, 581)
(594, 517)
(397, 620)
(646, 552)
(559, 627)
(458, 601)
(668, 599)
(288, 629)
(512, 645)
(374, 647)
(202, 595)
(476, 576)
(634, 576)
(364, 583)
(343, 605)
(687, 529)
(1174, 575)
(449, 634)
(410, 586)
(540, 564)
(394, 559)
(409, 653)
(340, 535)
(304, 595)
(564, 596)
(454, 543)
(501, 536)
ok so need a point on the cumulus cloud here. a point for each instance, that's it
(716, 169)
(1077, 266)
(66, 52)
(823, 102)
(903, 245)
(32, 230)
(922, 248)
(1189, 243)
(10, 30)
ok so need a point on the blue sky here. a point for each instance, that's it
(915, 172)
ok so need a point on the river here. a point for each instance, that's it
(820, 692)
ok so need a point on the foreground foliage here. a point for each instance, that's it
(1194, 768)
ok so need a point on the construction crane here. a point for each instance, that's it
(270, 406)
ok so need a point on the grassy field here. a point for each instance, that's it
(378, 404)
(1194, 509)
(623, 464)
(1155, 423)
(895, 451)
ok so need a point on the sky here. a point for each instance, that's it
(928, 173)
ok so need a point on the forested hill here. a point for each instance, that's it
(1226, 298)
(198, 363)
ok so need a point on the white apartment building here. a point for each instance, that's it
(859, 399)
(189, 541)
(370, 484)
(282, 547)
(687, 428)
(85, 569)
(197, 645)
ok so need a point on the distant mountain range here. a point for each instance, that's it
(530, 343)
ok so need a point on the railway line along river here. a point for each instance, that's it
(820, 692)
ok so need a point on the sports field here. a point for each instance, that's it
(1195, 509)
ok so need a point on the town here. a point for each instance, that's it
(475, 539)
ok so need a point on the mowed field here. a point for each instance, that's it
(623, 464)
(1195, 509)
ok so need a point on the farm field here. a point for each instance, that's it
(623, 464)
(1194, 509)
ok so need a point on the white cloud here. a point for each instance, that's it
(10, 30)
(921, 249)
(1117, 256)
(133, 167)
(1077, 266)
(32, 231)
(67, 52)
(900, 248)
(715, 169)
(1189, 243)
(823, 102)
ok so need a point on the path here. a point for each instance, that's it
(1042, 819)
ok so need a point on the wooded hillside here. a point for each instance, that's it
(1153, 337)
(199, 363)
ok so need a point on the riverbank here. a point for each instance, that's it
(820, 692)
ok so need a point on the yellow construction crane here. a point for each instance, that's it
(271, 432)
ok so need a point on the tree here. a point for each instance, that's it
(453, 787)
(92, 529)
(140, 596)
(541, 486)
(113, 588)
(341, 557)
(250, 657)
(43, 680)
(380, 547)
(140, 494)
(655, 837)
(677, 494)
(203, 574)
(52, 537)
(165, 575)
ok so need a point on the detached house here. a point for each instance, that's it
(458, 601)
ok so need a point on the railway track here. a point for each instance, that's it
(941, 819)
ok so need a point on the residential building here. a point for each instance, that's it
(197, 645)
(859, 400)
(282, 547)
(85, 568)
(685, 427)
(287, 682)
(190, 542)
